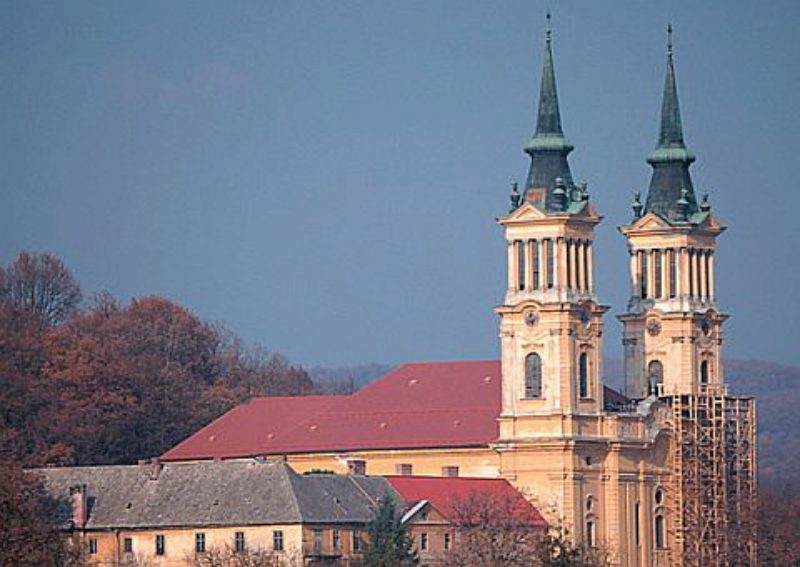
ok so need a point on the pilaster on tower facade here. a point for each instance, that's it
(672, 329)
(550, 321)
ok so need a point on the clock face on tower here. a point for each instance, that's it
(585, 316)
(531, 318)
(653, 327)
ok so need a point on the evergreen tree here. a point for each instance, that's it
(389, 543)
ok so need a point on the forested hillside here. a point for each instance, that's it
(114, 382)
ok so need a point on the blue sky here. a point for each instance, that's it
(323, 177)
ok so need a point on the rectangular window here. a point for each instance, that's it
(520, 245)
(636, 513)
(549, 261)
(356, 541)
(535, 261)
(200, 543)
(423, 541)
(446, 542)
(450, 472)
(404, 469)
(643, 274)
(92, 546)
(277, 540)
(673, 274)
(356, 466)
(238, 542)
(128, 545)
(161, 544)
(317, 541)
(658, 279)
(337, 539)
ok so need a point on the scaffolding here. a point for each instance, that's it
(713, 480)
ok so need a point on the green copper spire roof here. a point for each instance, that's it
(548, 148)
(671, 159)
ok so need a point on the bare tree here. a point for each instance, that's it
(228, 557)
(503, 529)
(43, 284)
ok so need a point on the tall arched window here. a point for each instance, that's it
(655, 376)
(673, 273)
(591, 532)
(533, 376)
(704, 373)
(659, 530)
(550, 262)
(520, 244)
(583, 375)
(535, 261)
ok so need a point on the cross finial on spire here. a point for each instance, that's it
(548, 32)
(669, 39)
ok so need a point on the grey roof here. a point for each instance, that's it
(671, 159)
(548, 149)
(212, 494)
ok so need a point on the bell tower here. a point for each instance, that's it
(672, 329)
(550, 321)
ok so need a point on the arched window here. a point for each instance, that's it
(673, 274)
(655, 376)
(591, 535)
(659, 530)
(533, 376)
(704, 373)
(583, 378)
(636, 513)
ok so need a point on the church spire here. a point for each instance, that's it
(671, 159)
(671, 132)
(548, 119)
(548, 148)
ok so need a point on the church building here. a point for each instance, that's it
(662, 475)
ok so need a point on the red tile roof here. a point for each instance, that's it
(242, 430)
(436, 404)
(446, 494)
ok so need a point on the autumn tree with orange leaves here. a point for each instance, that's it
(115, 382)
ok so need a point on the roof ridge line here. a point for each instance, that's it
(290, 477)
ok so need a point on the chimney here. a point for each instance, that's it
(80, 509)
(155, 468)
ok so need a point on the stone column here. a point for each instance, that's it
(701, 272)
(561, 263)
(651, 273)
(573, 249)
(683, 273)
(581, 261)
(698, 268)
(711, 293)
(633, 257)
(512, 267)
(589, 266)
(664, 273)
